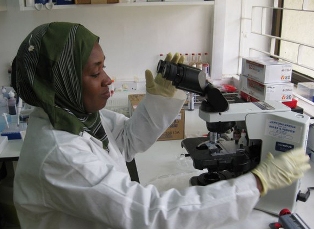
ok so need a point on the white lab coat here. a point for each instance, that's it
(68, 181)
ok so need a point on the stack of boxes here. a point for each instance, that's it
(265, 78)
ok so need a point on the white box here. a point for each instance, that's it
(272, 91)
(267, 70)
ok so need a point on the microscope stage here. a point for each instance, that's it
(216, 157)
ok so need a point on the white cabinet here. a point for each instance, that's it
(3, 5)
(131, 4)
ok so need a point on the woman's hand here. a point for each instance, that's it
(159, 85)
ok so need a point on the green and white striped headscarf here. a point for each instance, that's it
(47, 73)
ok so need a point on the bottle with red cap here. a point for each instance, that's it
(205, 65)
(193, 61)
(186, 59)
(199, 63)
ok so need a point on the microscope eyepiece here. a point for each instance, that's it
(193, 80)
(183, 76)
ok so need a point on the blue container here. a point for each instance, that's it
(65, 2)
(12, 135)
(41, 1)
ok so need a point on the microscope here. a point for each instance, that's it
(270, 125)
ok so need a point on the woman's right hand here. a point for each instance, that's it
(281, 171)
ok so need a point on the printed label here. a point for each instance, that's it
(286, 97)
(284, 131)
(283, 147)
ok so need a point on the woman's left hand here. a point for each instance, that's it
(159, 85)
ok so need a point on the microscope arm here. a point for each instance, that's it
(214, 100)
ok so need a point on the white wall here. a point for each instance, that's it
(234, 21)
(132, 37)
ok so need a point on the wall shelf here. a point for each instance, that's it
(131, 4)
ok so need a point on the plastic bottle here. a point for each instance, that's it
(3, 104)
(4, 92)
(199, 63)
(12, 103)
(205, 65)
(192, 61)
(243, 140)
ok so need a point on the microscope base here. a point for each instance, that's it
(209, 178)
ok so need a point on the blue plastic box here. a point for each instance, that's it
(65, 2)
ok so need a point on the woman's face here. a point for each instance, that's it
(95, 81)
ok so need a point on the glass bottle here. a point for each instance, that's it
(12, 103)
(186, 59)
(199, 63)
(192, 61)
(205, 65)
(161, 57)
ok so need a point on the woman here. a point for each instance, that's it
(72, 172)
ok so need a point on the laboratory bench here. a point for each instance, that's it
(12, 150)
(165, 166)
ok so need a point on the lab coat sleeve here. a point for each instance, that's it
(98, 193)
(151, 118)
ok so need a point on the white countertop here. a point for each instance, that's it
(11, 150)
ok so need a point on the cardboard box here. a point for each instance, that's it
(271, 91)
(104, 1)
(174, 132)
(267, 70)
(82, 1)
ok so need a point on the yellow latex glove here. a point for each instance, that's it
(159, 85)
(283, 170)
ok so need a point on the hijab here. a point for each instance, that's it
(47, 73)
